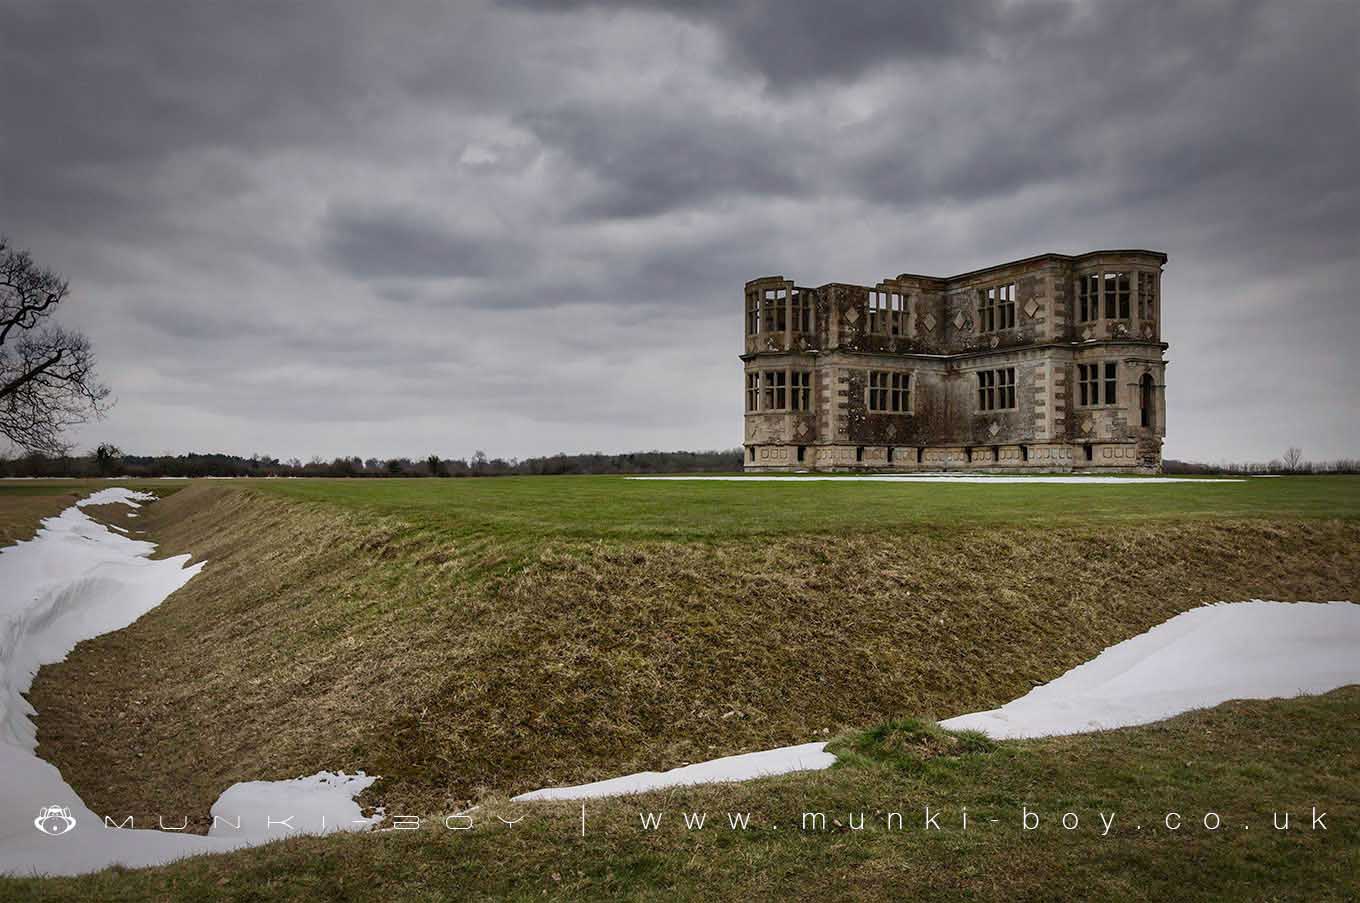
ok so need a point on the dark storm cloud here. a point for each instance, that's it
(393, 244)
(653, 158)
(338, 228)
(693, 275)
(139, 80)
(791, 41)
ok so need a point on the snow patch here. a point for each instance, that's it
(116, 495)
(1240, 650)
(75, 580)
(805, 757)
(318, 804)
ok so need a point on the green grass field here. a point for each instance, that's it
(600, 507)
(517, 508)
(470, 639)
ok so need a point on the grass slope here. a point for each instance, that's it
(465, 638)
(1243, 761)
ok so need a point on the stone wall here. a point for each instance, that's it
(939, 341)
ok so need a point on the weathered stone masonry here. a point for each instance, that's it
(1054, 362)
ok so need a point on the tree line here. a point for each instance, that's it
(108, 461)
(1292, 462)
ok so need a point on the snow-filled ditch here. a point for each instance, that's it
(1240, 650)
(75, 580)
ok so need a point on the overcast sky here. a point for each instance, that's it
(314, 228)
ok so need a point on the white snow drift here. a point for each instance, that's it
(75, 580)
(116, 496)
(806, 757)
(318, 804)
(1242, 650)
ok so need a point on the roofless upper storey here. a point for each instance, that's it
(1055, 361)
(1049, 297)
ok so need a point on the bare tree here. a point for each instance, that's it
(1293, 460)
(47, 380)
(106, 457)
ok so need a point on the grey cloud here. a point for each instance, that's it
(791, 42)
(652, 159)
(502, 226)
(393, 244)
(125, 81)
(687, 277)
(996, 162)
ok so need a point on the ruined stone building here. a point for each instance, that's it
(1053, 362)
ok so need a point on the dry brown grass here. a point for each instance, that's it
(21, 514)
(317, 638)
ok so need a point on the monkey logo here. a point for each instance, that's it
(54, 820)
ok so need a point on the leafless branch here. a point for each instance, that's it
(47, 379)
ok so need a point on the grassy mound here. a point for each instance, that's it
(459, 652)
(910, 744)
(1248, 763)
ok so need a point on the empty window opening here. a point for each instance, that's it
(802, 453)
(1088, 298)
(878, 390)
(997, 307)
(1145, 400)
(776, 309)
(859, 453)
(897, 313)
(800, 390)
(751, 450)
(890, 454)
(889, 392)
(1089, 383)
(1146, 290)
(968, 453)
(776, 395)
(1024, 453)
(1090, 452)
(878, 312)
(920, 456)
(803, 312)
(996, 453)
(996, 389)
(1117, 293)
(887, 313)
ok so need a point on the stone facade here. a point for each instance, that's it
(1052, 363)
